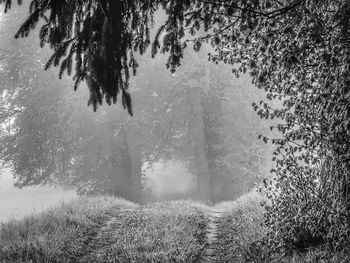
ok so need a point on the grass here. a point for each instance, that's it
(104, 229)
(240, 233)
(58, 234)
(160, 232)
(240, 230)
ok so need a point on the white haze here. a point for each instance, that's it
(15, 203)
(169, 177)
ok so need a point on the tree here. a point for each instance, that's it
(82, 149)
(102, 36)
(199, 123)
(296, 50)
(48, 138)
(300, 56)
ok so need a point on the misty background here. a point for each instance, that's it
(194, 133)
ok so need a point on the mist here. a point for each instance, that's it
(16, 203)
(193, 135)
(164, 179)
(174, 131)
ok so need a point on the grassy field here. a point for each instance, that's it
(59, 234)
(161, 232)
(107, 230)
(240, 233)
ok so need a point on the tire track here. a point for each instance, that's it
(104, 236)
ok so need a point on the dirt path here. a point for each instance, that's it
(104, 235)
(216, 214)
(214, 222)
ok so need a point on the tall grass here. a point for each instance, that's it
(160, 232)
(58, 234)
(105, 229)
(241, 232)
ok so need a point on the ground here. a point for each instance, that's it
(103, 229)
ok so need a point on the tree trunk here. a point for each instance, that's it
(204, 180)
(136, 166)
(121, 165)
(214, 146)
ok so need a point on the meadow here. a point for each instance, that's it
(102, 229)
(106, 229)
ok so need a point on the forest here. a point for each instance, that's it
(250, 96)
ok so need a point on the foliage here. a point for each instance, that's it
(300, 56)
(47, 136)
(50, 137)
(241, 231)
(98, 36)
(306, 65)
(297, 51)
(79, 30)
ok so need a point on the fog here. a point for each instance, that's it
(15, 203)
(169, 178)
(163, 179)
(193, 133)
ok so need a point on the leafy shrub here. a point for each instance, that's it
(299, 218)
(310, 194)
(242, 235)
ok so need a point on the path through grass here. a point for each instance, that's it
(216, 217)
(161, 232)
(108, 230)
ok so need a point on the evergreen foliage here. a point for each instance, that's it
(94, 40)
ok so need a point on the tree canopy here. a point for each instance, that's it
(96, 40)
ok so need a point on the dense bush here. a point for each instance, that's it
(304, 61)
(241, 235)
